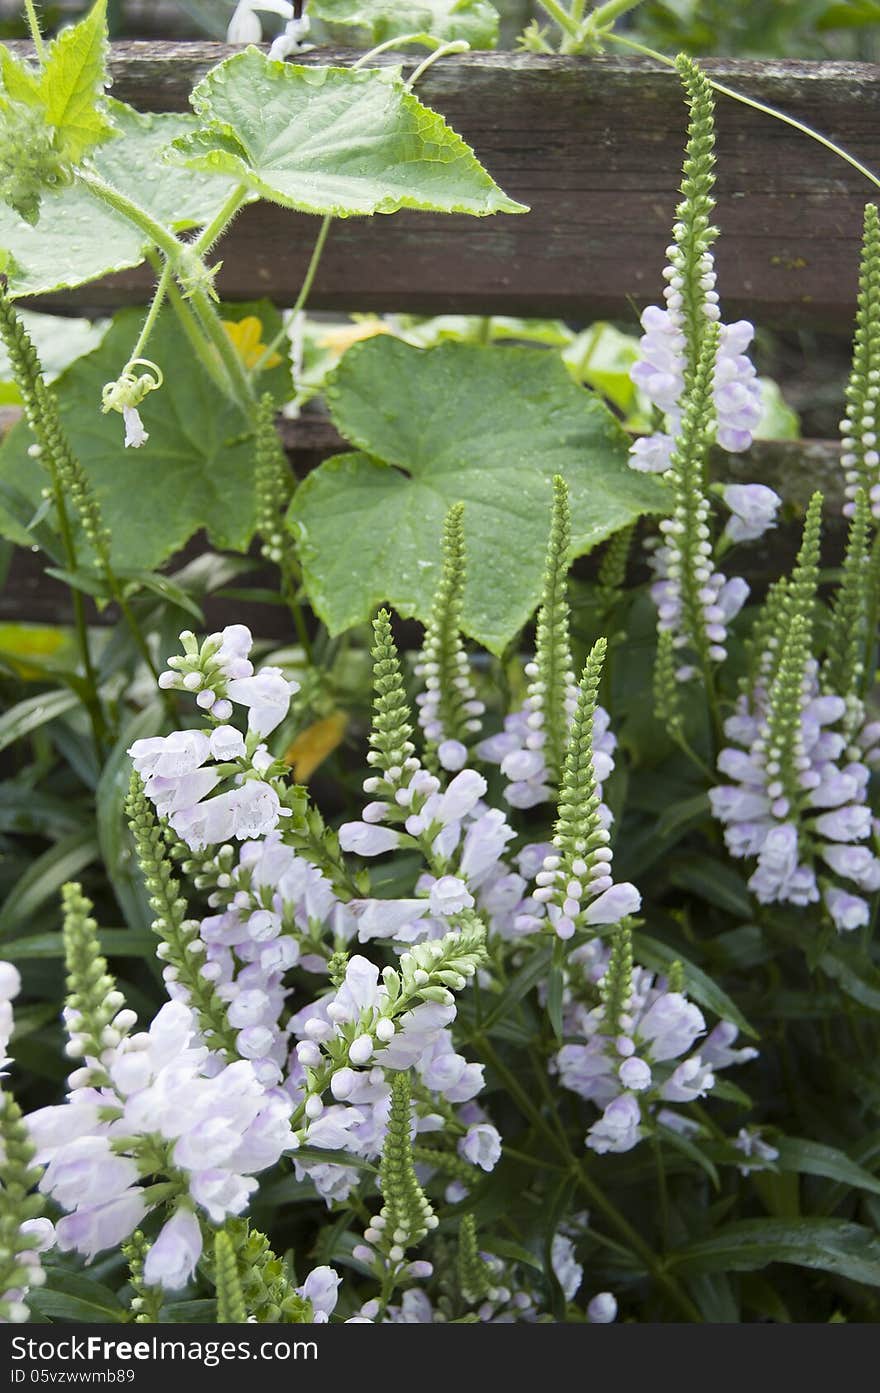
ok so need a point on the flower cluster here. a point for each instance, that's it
(638, 1046)
(816, 820)
(162, 1107)
(182, 769)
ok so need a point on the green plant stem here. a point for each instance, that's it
(455, 46)
(756, 106)
(304, 292)
(610, 12)
(134, 213)
(215, 229)
(34, 26)
(565, 21)
(153, 312)
(585, 1181)
(241, 389)
(398, 42)
(190, 326)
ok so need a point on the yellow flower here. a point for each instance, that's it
(312, 746)
(339, 338)
(247, 336)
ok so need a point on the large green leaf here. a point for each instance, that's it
(72, 85)
(472, 20)
(831, 1245)
(196, 471)
(79, 239)
(485, 426)
(333, 140)
(813, 1158)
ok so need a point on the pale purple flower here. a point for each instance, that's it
(366, 839)
(848, 911)
(619, 1127)
(568, 1271)
(173, 1256)
(481, 1146)
(266, 694)
(321, 1288)
(449, 895)
(753, 510)
(602, 1309)
(652, 454)
(91, 1229)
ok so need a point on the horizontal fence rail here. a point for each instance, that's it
(594, 146)
(794, 468)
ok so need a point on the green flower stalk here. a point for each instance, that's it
(784, 750)
(694, 233)
(575, 882)
(859, 428)
(181, 947)
(614, 564)
(273, 484)
(448, 707)
(845, 668)
(667, 691)
(23, 1233)
(616, 985)
(391, 747)
(474, 1277)
(553, 688)
(406, 1216)
(227, 1284)
(95, 1015)
(146, 1303)
(52, 447)
(793, 597)
(267, 1294)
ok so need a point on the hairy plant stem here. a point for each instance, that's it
(149, 323)
(215, 229)
(34, 26)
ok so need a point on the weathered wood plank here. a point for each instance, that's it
(594, 147)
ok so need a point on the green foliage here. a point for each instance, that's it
(503, 423)
(52, 117)
(79, 239)
(265, 125)
(475, 21)
(192, 423)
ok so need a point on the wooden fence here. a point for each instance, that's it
(594, 147)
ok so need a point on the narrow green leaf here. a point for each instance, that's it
(813, 1158)
(45, 876)
(828, 1245)
(854, 975)
(533, 970)
(32, 713)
